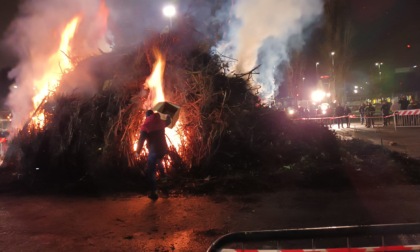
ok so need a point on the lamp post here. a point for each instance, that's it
(169, 11)
(316, 70)
(379, 64)
(332, 76)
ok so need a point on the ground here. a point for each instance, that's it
(188, 223)
(372, 185)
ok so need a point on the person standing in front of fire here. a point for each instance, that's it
(153, 131)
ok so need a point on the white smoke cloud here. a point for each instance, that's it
(35, 35)
(261, 32)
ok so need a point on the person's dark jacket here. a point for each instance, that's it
(403, 103)
(369, 110)
(339, 110)
(347, 110)
(413, 105)
(362, 109)
(153, 130)
(386, 108)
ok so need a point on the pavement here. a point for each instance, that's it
(405, 140)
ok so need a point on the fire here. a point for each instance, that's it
(104, 35)
(57, 64)
(155, 84)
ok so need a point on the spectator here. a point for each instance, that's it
(385, 109)
(369, 112)
(339, 114)
(362, 112)
(394, 105)
(413, 104)
(347, 112)
(403, 103)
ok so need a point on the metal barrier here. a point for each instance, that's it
(390, 237)
(407, 118)
(375, 119)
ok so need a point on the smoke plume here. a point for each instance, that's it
(261, 32)
(35, 35)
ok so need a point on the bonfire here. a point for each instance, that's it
(221, 128)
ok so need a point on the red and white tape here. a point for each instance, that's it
(408, 112)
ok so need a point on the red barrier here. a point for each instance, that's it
(408, 112)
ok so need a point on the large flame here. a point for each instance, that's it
(102, 19)
(57, 64)
(156, 94)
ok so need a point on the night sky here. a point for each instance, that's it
(383, 29)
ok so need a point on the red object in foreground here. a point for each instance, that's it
(364, 238)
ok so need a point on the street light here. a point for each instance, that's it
(379, 64)
(332, 75)
(169, 11)
(316, 70)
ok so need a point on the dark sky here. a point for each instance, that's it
(8, 10)
(383, 29)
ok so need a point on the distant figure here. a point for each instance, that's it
(369, 112)
(339, 114)
(362, 112)
(403, 103)
(385, 109)
(153, 130)
(394, 105)
(347, 112)
(413, 104)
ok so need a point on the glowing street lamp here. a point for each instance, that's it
(169, 11)
(318, 96)
(379, 64)
(316, 69)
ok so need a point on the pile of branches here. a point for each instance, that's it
(224, 127)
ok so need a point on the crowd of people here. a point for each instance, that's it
(367, 110)
(339, 114)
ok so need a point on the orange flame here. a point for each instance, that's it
(102, 20)
(154, 82)
(57, 64)
(156, 94)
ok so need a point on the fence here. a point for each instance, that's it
(401, 118)
(407, 118)
(329, 121)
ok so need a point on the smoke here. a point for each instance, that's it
(262, 32)
(35, 35)
(259, 32)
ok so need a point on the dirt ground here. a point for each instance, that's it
(134, 223)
